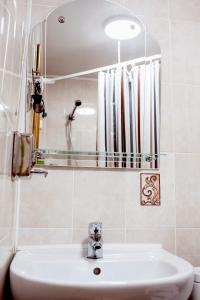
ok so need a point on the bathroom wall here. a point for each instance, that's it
(60, 98)
(13, 32)
(57, 209)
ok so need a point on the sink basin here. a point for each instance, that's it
(139, 272)
(5, 259)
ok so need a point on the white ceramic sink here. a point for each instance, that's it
(5, 259)
(135, 272)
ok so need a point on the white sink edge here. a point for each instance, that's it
(175, 275)
(137, 283)
(128, 246)
(155, 252)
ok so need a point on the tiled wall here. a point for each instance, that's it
(58, 209)
(13, 24)
(60, 99)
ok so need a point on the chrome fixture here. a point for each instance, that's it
(61, 19)
(23, 157)
(77, 103)
(95, 243)
(22, 154)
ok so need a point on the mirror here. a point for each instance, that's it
(95, 72)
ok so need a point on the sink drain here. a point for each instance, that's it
(97, 271)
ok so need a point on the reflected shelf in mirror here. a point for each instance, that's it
(95, 159)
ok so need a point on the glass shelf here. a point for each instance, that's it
(93, 159)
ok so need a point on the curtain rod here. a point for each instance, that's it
(133, 61)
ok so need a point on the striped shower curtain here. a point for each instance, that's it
(128, 116)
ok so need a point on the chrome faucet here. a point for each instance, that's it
(95, 243)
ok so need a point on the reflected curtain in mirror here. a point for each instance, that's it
(128, 115)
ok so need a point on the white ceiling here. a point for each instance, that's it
(81, 44)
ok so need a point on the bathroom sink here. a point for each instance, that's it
(5, 259)
(139, 272)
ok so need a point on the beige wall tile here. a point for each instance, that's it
(188, 242)
(187, 182)
(167, 126)
(185, 10)
(60, 98)
(164, 236)
(6, 143)
(47, 202)
(185, 63)
(193, 259)
(100, 195)
(44, 236)
(7, 201)
(150, 216)
(155, 8)
(186, 118)
(80, 235)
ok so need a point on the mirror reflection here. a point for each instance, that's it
(99, 84)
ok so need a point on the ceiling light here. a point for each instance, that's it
(122, 29)
(86, 111)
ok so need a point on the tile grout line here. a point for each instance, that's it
(173, 137)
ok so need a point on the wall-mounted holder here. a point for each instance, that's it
(23, 159)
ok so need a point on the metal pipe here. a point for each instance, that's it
(133, 61)
(38, 60)
(77, 103)
(36, 116)
(36, 129)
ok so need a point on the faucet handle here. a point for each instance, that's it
(95, 229)
(95, 247)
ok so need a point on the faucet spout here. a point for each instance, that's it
(95, 243)
(97, 233)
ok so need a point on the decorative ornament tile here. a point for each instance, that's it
(149, 189)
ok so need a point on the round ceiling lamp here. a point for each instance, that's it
(122, 29)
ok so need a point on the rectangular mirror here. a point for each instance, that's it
(94, 89)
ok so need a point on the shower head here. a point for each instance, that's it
(77, 103)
